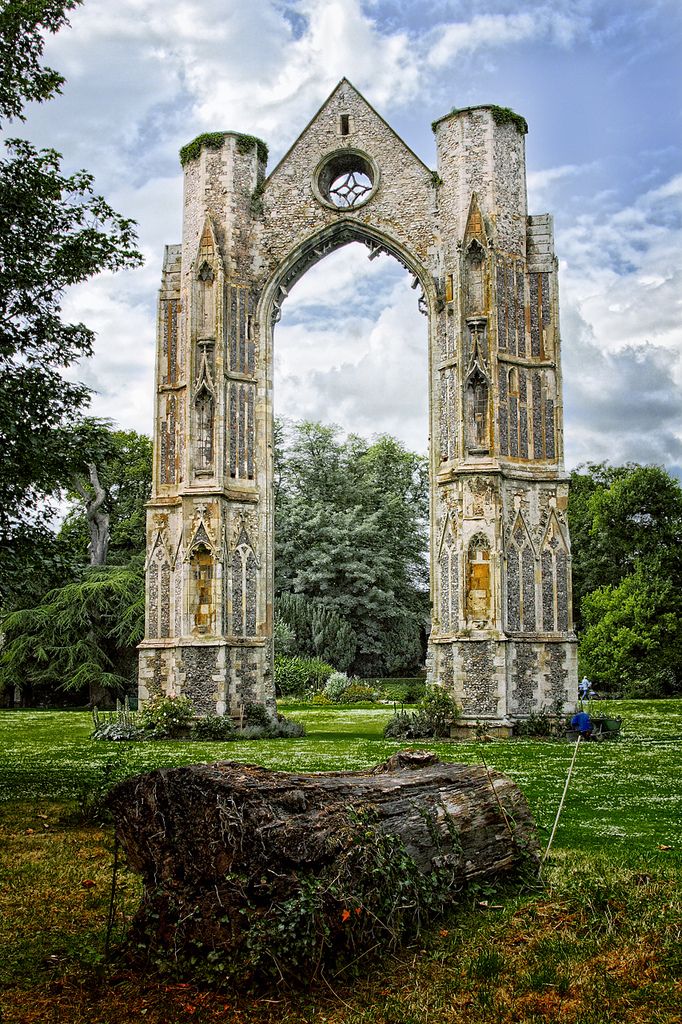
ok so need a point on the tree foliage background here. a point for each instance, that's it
(626, 535)
(55, 231)
(351, 537)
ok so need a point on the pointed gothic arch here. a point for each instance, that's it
(555, 559)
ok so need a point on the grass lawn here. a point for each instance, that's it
(598, 943)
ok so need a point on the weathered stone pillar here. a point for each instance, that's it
(209, 618)
(502, 637)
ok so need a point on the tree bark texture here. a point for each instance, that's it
(98, 520)
(220, 845)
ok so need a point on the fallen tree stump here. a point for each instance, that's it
(248, 871)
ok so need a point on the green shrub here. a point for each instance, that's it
(414, 692)
(408, 690)
(286, 729)
(280, 728)
(214, 727)
(253, 732)
(542, 724)
(294, 676)
(316, 628)
(357, 693)
(117, 731)
(256, 714)
(440, 708)
(285, 638)
(166, 716)
(320, 699)
(119, 725)
(434, 717)
(336, 686)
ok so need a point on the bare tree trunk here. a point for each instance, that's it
(98, 526)
(98, 521)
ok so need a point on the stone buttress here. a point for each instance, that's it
(502, 638)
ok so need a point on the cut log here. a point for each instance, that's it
(245, 867)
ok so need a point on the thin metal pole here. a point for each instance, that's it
(561, 803)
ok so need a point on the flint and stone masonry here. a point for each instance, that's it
(485, 276)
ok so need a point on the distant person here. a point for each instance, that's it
(584, 688)
(582, 724)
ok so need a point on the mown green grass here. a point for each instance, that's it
(625, 794)
(598, 942)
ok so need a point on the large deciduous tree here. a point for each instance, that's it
(351, 535)
(78, 633)
(626, 531)
(55, 232)
(122, 461)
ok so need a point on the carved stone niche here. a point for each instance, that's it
(477, 390)
(204, 409)
(202, 603)
(474, 268)
(479, 591)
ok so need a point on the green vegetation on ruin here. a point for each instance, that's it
(501, 115)
(505, 115)
(214, 140)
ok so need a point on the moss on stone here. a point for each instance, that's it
(245, 144)
(501, 115)
(257, 199)
(505, 115)
(214, 140)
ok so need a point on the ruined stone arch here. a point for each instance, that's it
(485, 277)
(321, 243)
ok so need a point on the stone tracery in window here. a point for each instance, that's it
(349, 189)
(346, 179)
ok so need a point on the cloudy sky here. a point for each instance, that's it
(600, 84)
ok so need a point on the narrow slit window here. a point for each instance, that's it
(345, 124)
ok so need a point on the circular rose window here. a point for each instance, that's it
(346, 180)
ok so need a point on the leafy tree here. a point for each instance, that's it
(626, 530)
(123, 461)
(23, 24)
(351, 535)
(63, 636)
(315, 629)
(81, 636)
(619, 515)
(632, 639)
(54, 232)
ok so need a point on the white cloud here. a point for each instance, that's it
(145, 76)
(621, 298)
(498, 30)
(367, 370)
(623, 270)
(541, 184)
